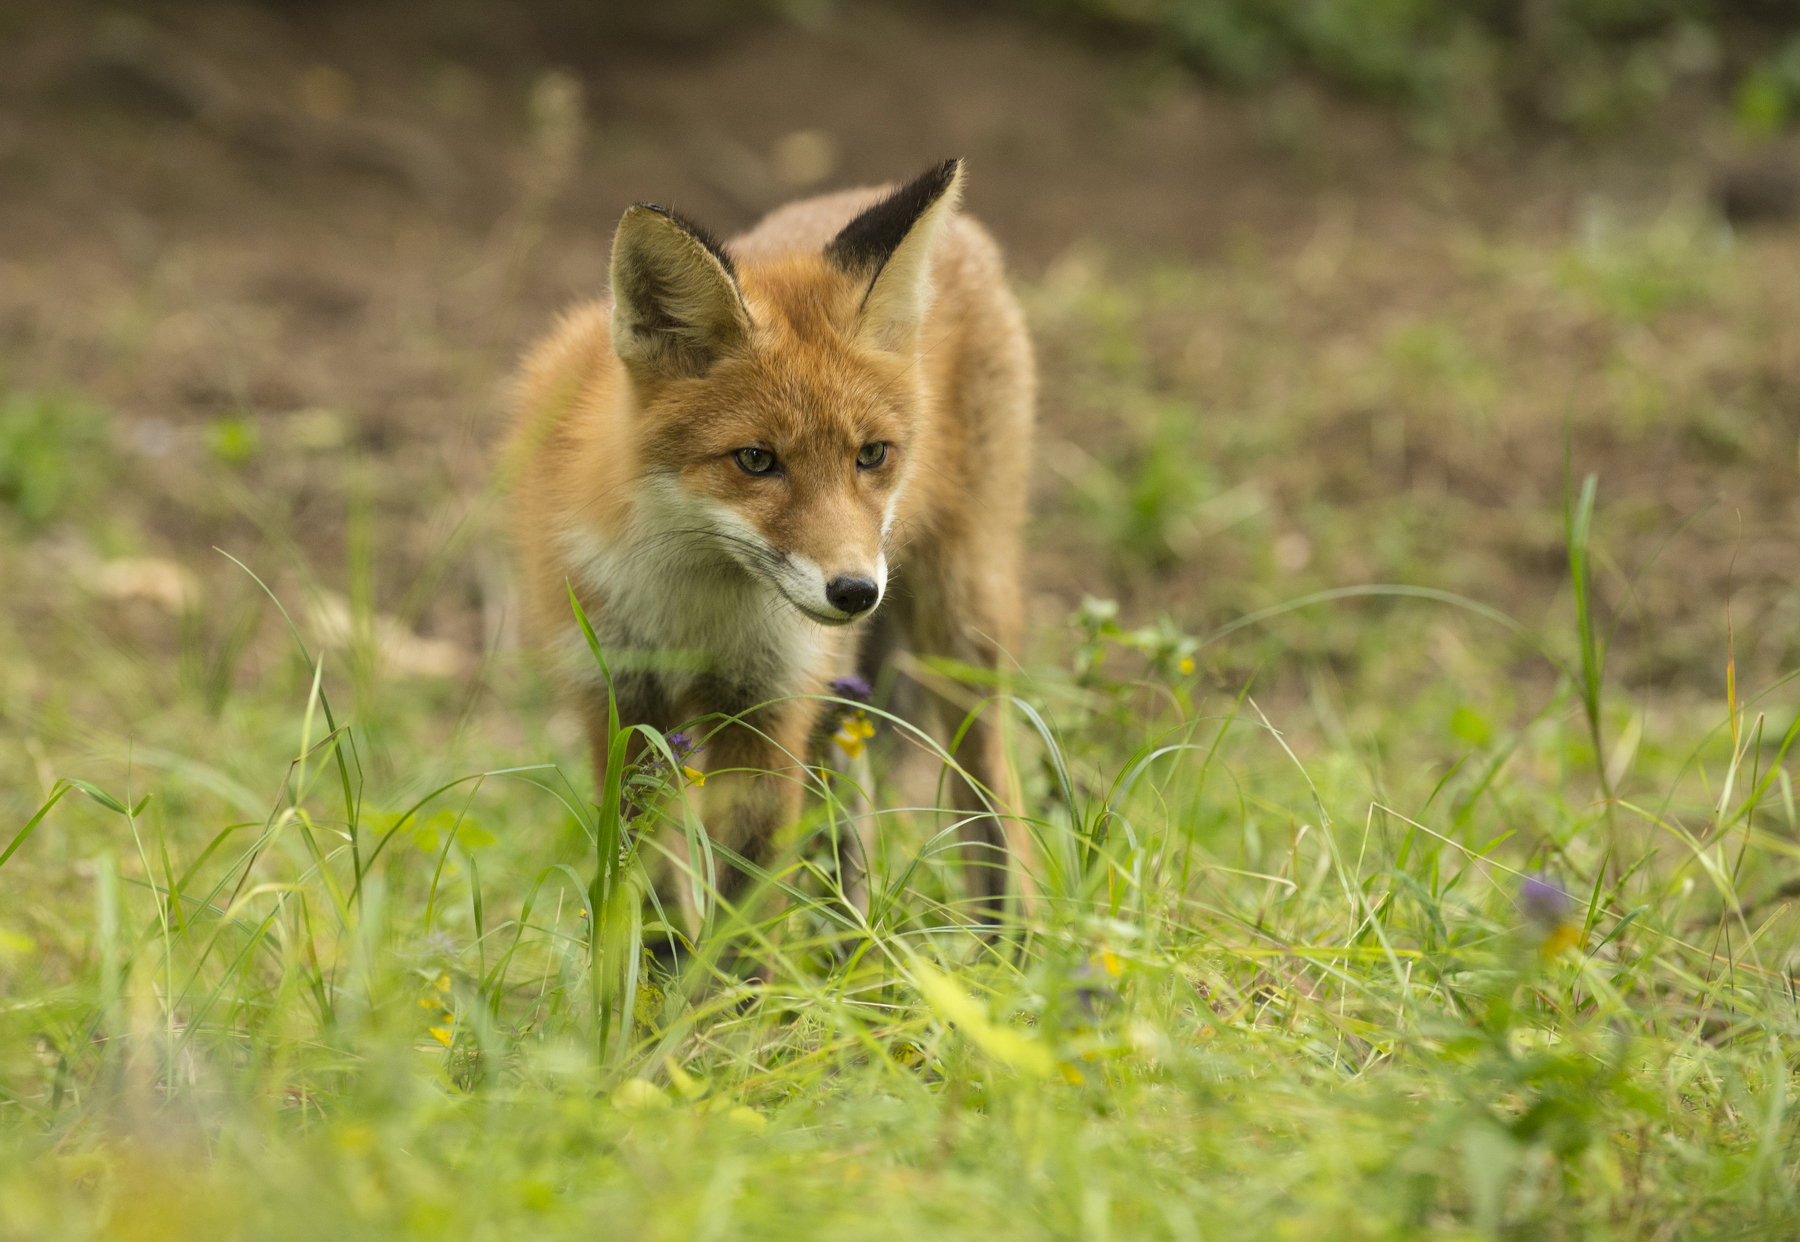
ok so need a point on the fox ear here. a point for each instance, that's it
(890, 245)
(676, 305)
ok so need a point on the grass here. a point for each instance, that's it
(254, 989)
(1426, 874)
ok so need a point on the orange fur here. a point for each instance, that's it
(700, 577)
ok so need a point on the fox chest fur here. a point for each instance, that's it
(687, 628)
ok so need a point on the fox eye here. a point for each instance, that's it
(870, 456)
(755, 460)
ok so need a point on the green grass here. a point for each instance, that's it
(299, 947)
(1260, 996)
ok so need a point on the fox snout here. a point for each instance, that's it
(851, 594)
(833, 597)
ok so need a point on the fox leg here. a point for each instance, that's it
(754, 786)
(755, 783)
(970, 617)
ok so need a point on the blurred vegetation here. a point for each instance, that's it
(54, 453)
(1467, 67)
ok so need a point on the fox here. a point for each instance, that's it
(764, 464)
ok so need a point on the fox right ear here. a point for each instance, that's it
(889, 246)
(676, 305)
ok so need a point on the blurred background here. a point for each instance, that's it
(1325, 294)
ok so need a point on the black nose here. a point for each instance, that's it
(852, 594)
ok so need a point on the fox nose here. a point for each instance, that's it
(852, 595)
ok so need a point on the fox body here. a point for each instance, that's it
(764, 463)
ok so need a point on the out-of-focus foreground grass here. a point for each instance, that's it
(1392, 913)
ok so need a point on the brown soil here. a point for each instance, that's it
(360, 298)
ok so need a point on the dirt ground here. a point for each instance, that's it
(333, 227)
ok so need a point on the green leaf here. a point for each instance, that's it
(101, 796)
(1471, 728)
(56, 793)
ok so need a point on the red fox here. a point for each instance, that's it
(762, 451)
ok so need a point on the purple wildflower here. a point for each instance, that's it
(645, 778)
(856, 689)
(1543, 903)
(849, 725)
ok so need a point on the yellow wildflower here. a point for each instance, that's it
(853, 733)
(1561, 939)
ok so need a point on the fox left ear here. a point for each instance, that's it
(890, 245)
(676, 304)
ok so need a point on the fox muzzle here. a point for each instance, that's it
(853, 595)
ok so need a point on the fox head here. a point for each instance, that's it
(774, 407)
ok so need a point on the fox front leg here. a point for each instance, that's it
(754, 786)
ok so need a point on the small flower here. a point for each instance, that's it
(850, 726)
(1544, 904)
(1187, 665)
(856, 689)
(1548, 908)
(646, 779)
(853, 733)
(439, 1002)
(1093, 992)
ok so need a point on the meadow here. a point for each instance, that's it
(1405, 735)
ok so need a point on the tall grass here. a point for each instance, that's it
(1264, 989)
